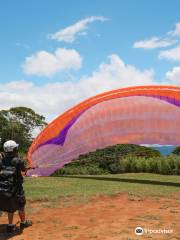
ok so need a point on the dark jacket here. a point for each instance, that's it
(17, 201)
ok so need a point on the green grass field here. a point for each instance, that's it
(139, 184)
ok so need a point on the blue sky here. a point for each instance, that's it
(111, 44)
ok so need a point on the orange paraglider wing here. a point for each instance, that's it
(139, 115)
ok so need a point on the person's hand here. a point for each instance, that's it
(32, 167)
(29, 168)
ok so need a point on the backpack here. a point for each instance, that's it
(8, 181)
(10, 184)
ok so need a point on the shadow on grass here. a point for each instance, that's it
(126, 180)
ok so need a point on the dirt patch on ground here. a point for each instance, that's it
(105, 218)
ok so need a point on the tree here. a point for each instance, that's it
(20, 124)
(176, 151)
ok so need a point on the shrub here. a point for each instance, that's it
(176, 151)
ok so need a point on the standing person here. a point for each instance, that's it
(12, 197)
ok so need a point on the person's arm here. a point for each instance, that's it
(24, 167)
(27, 166)
(1, 155)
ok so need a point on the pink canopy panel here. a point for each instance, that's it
(139, 115)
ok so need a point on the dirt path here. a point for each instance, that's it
(105, 218)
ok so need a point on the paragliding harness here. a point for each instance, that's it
(9, 183)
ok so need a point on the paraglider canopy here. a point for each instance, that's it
(138, 115)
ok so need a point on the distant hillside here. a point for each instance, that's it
(164, 150)
(107, 160)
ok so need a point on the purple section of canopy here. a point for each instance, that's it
(61, 137)
(167, 99)
(59, 140)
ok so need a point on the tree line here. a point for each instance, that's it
(20, 124)
(123, 158)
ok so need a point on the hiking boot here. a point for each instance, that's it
(26, 224)
(10, 228)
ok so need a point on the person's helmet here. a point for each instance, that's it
(10, 145)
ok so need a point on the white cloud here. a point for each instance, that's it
(54, 98)
(174, 76)
(171, 38)
(171, 54)
(47, 64)
(153, 43)
(176, 31)
(19, 85)
(114, 74)
(69, 34)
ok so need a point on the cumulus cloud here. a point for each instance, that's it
(115, 74)
(47, 64)
(169, 39)
(176, 31)
(52, 99)
(69, 33)
(174, 76)
(171, 54)
(153, 43)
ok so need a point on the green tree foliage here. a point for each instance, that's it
(176, 151)
(122, 158)
(19, 124)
